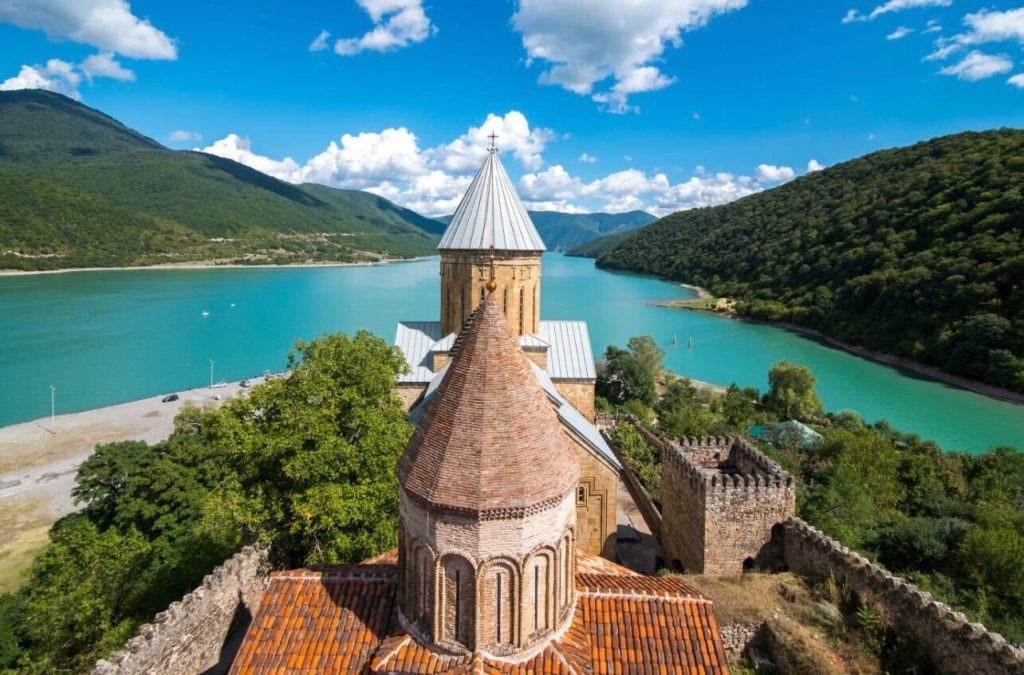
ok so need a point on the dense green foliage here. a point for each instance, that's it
(917, 252)
(78, 188)
(304, 463)
(953, 523)
(562, 231)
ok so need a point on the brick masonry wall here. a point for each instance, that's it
(464, 275)
(713, 522)
(596, 523)
(189, 635)
(955, 644)
(579, 394)
(410, 394)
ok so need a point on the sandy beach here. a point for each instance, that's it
(38, 465)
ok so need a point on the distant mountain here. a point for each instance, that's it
(916, 252)
(80, 189)
(562, 231)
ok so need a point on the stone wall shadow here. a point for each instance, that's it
(233, 640)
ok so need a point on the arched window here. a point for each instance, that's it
(458, 613)
(581, 495)
(499, 591)
(482, 294)
(521, 311)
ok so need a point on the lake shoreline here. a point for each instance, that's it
(991, 391)
(207, 265)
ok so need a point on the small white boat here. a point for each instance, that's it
(204, 313)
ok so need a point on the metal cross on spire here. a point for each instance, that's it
(492, 136)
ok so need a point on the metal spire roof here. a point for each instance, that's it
(491, 215)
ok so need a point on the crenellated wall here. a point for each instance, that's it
(189, 636)
(720, 498)
(955, 644)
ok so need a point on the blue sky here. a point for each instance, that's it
(656, 104)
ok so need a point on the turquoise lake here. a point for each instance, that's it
(108, 337)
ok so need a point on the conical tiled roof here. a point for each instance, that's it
(489, 443)
(491, 215)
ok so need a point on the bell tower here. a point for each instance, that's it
(491, 238)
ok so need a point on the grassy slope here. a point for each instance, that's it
(78, 183)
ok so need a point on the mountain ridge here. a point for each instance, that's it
(81, 189)
(917, 252)
(563, 231)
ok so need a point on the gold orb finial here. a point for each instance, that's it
(492, 285)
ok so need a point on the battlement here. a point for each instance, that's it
(720, 499)
(719, 462)
(189, 635)
(955, 643)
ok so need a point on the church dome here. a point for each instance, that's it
(489, 443)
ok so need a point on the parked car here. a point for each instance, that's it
(245, 383)
(169, 398)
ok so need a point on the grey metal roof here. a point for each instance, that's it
(533, 341)
(570, 356)
(575, 420)
(445, 344)
(415, 338)
(491, 214)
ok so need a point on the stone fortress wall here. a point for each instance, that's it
(191, 635)
(955, 644)
(720, 499)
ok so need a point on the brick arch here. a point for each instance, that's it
(455, 592)
(499, 586)
(540, 590)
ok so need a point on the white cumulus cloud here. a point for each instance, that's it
(514, 134)
(105, 65)
(108, 25)
(814, 165)
(769, 173)
(584, 44)
(58, 76)
(586, 158)
(899, 33)
(978, 66)
(1017, 80)
(396, 24)
(239, 149)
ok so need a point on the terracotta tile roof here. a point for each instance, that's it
(488, 439)
(343, 619)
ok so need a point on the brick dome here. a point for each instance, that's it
(489, 442)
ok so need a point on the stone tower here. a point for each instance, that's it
(491, 237)
(487, 526)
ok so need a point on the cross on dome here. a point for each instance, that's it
(492, 147)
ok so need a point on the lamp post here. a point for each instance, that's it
(53, 408)
(211, 376)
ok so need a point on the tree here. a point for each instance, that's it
(84, 589)
(314, 454)
(791, 394)
(624, 378)
(648, 353)
(103, 478)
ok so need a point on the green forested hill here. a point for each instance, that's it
(562, 231)
(78, 188)
(916, 252)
